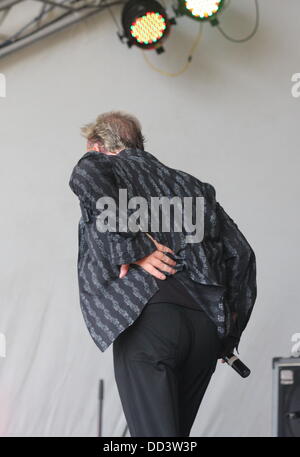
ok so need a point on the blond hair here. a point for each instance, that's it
(115, 130)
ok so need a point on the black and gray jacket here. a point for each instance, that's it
(223, 260)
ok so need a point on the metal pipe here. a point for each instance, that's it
(56, 25)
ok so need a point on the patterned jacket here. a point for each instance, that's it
(223, 260)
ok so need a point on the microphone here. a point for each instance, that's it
(235, 363)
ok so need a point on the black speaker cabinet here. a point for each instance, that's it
(286, 397)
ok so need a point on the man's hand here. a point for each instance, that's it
(234, 318)
(152, 262)
(229, 344)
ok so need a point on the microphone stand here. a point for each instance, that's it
(101, 394)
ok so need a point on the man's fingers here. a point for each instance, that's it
(162, 266)
(156, 260)
(163, 258)
(154, 272)
(124, 270)
(161, 247)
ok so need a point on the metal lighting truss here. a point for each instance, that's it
(50, 16)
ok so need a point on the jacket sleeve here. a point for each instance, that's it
(240, 264)
(91, 179)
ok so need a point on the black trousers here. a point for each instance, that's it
(163, 363)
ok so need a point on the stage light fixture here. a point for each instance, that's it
(145, 24)
(201, 10)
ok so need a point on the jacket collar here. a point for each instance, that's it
(130, 152)
(124, 154)
(135, 153)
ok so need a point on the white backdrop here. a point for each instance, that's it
(230, 120)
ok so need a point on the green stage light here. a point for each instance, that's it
(201, 10)
(145, 24)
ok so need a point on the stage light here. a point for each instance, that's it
(201, 10)
(145, 24)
